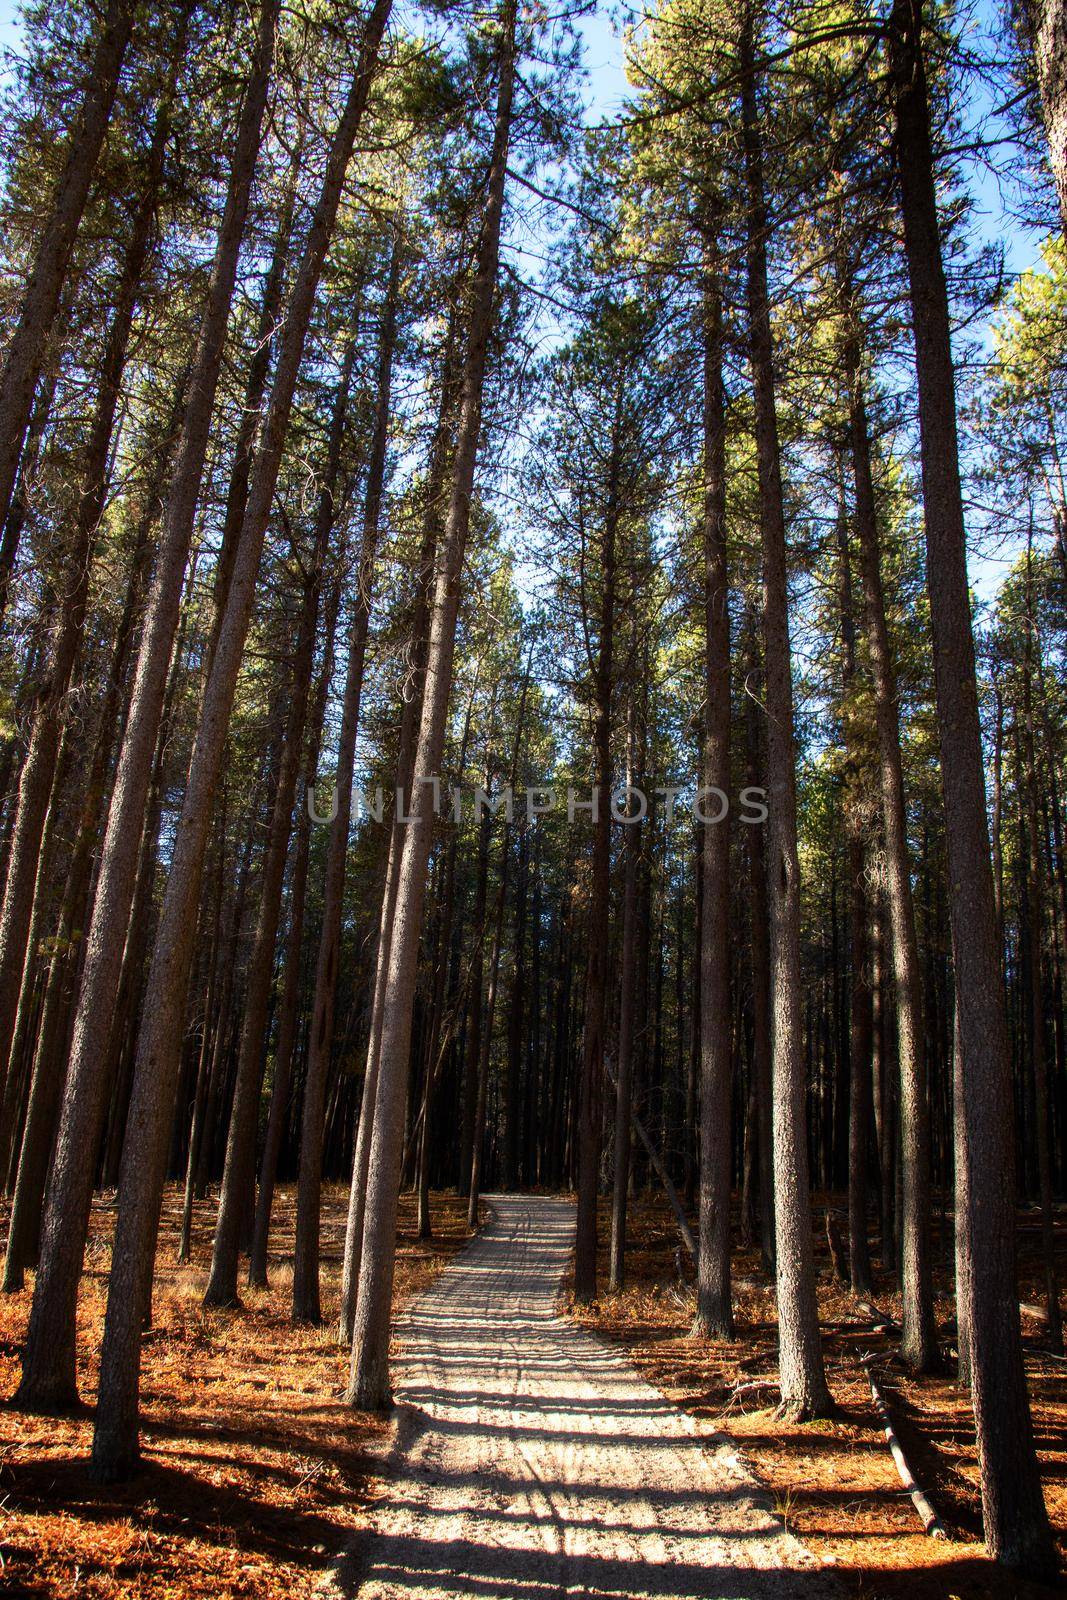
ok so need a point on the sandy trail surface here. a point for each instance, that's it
(532, 1461)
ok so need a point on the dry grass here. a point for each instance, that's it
(834, 1481)
(254, 1469)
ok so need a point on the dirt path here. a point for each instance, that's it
(533, 1462)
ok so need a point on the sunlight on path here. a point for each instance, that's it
(533, 1462)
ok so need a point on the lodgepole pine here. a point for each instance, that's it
(22, 361)
(369, 1379)
(594, 1027)
(801, 1372)
(624, 1076)
(306, 1306)
(290, 1000)
(494, 972)
(860, 1092)
(239, 1167)
(115, 1441)
(48, 1360)
(49, 1064)
(714, 1314)
(1015, 1521)
(760, 958)
(39, 764)
(1031, 851)
(919, 1346)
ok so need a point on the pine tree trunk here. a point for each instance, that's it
(859, 1033)
(961, 1231)
(115, 1446)
(919, 1346)
(624, 1076)
(48, 1361)
(802, 1378)
(590, 1090)
(306, 1307)
(49, 1065)
(1034, 908)
(1045, 23)
(203, 1065)
(494, 974)
(290, 1002)
(239, 1170)
(714, 1313)
(369, 1380)
(1014, 1517)
(760, 958)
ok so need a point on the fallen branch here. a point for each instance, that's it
(926, 1513)
(758, 1386)
(878, 1319)
(660, 1170)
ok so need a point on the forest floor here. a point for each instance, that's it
(255, 1471)
(833, 1482)
(257, 1476)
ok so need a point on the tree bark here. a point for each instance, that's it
(714, 1312)
(859, 1033)
(239, 1170)
(919, 1346)
(624, 1077)
(290, 1001)
(369, 1380)
(590, 1091)
(48, 1361)
(306, 1306)
(1034, 911)
(802, 1377)
(1015, 1521)
(1045, 25)
(115, 1444)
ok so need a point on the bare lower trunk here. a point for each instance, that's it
(598, 928)
(369, 1380)
(962, 1228)
(1034, 912)
(919, 1346)
(115, 1447)
(1015, 1521)
(494, 979)
(624, 1077)
(802, 1377)
(290, 1001)
(238, 1173)
(859, 1033)
(48, 1366)
(860, 1096)
(760, 957)
(306, 1307)
(714, 1313)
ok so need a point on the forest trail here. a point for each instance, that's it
(532, 1461)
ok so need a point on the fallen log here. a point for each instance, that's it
(925, 1511)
